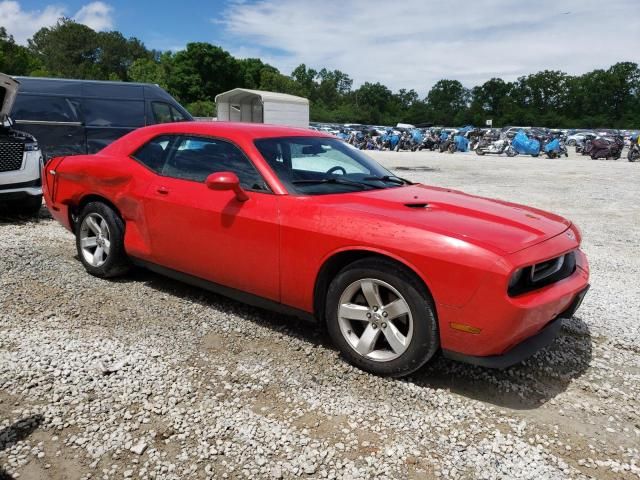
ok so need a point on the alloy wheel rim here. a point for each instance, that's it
(95, 239)
(375, 320)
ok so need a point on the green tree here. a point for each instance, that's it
(251, 72)
(202, 71)
(15, 59)
(446, 99)
(202, 108)
(68, 49)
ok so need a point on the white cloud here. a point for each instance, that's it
(22, 24)
(414, 43)
(96, 15)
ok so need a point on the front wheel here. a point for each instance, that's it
(381, 318)
(100, 241)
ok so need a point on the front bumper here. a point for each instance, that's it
(19, 191)
(500, 322)
(526, 348)
(24, 182)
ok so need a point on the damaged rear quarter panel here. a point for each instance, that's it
(83, 176)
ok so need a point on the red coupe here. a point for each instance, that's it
(300, 221)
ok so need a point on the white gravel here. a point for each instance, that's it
(148, 378)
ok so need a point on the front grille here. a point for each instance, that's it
(544, 273)
(11, 156)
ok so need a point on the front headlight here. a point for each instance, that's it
(515, 278)
(31, 147)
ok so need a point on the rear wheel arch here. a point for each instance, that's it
(75, 210)
(339, 260)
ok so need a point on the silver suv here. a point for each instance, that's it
(20, 158)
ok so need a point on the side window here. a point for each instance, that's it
(161, 112)
(165, 113)
(177, 116)
(195, 158)
(154, 153)
(113, 113)
(45, 108)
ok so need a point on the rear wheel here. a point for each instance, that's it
(381, 318)
(100, 241)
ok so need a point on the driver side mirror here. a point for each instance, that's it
(226, 181)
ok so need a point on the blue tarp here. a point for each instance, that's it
(552, 146)
(417, 136)
(393, 140)
(462, 144)
(525, 145)
(444, 136)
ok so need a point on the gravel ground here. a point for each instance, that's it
(147, 378)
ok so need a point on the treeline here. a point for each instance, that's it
(195, 75)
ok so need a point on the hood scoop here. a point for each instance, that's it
(417, 205)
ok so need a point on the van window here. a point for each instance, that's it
(113, 113)
(46, 108)
(165, 113)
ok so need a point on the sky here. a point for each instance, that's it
(403, 44)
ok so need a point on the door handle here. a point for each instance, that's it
(163, 190)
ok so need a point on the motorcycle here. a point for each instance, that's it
(390, 140)
(460, 143)
(555, 148)
(584, 146)
(634, 149)
(429, 142)
(525, 145)
(445, 142)
(606, 147)
(496, 147)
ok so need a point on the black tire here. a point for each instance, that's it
(425, 339)
(632, 156)
(479, 152)
(117, 262)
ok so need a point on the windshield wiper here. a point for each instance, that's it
(392, 179)
(337, 180)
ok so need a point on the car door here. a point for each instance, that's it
(211, 234)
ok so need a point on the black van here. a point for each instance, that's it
(70, 117)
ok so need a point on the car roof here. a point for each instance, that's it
(233, 131)
(230, 129)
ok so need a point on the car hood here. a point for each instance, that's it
(499, 226)
(8, 91)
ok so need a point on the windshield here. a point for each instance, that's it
(317, 165)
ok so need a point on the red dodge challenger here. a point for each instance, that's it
(301, 222)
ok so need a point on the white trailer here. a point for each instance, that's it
(257, 106)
